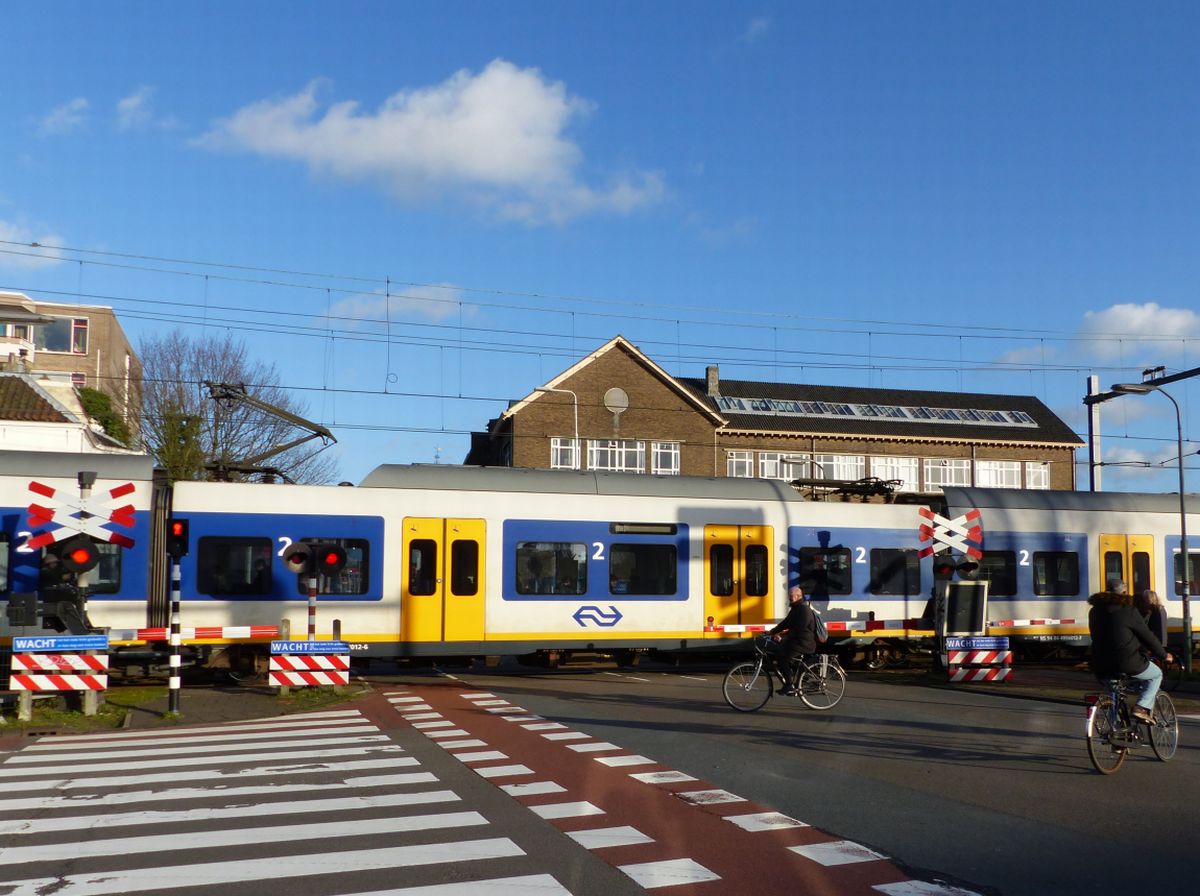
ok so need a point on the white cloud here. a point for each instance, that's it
(64, 119)
(134, 111)
(756, 30)
(27, 256)
(495, 139)
(435, 301)
(1138, 334)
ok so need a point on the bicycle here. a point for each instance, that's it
(819, 682)
(1172, 673)
(1112, 731)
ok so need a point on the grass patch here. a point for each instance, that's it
(64, 712)
(304, 699)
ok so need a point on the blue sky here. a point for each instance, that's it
(420, 211)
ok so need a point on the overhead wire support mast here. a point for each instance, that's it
(236, 393)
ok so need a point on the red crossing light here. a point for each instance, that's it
(80, 554)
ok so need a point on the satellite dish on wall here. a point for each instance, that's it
(616, 401)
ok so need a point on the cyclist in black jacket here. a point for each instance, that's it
(796, 634)
(1120, 642)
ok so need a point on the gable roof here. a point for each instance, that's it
(759, 407)
(21, 401)
(620, 343)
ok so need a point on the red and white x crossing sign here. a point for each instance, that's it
(963, 532)
(72, 514)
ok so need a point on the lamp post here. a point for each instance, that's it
(1145, 389)
(575, 402)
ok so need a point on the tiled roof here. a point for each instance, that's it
(21, 401)
(1049, 428)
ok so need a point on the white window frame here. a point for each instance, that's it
(616, 455)
(840, 467)
(998, 473)
(942, 471)
(665, 458)
(564, 454)
(906, 469)
(739, 464)
(1037, 474)
(785, 465)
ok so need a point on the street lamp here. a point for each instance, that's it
(575, 401)
(1145, 389)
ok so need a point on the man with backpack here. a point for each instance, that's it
(796, 634)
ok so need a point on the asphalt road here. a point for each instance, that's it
(991, 792)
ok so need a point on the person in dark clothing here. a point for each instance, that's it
(1120, 642)
(1153, 611)
(796, 634)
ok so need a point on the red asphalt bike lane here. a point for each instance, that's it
(670, 832)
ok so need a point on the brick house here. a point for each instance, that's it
(616, 410)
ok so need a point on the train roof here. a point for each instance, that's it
(1037, 499)
(516, 479)
(60, 464)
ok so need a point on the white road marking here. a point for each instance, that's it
(710, 797)
(222, 873)
(196, 735)
(245, 810)
(530, 885)
(287, 833)
(452, 732)
(503, 771)
(619, 761)
(303, 757)
(662, 777)
(671, 873)
(133, 797)
(765, 821)
(601, 838)
(567, 810)
(840, 852)
(593, 747)
(194, 750)
(566, 735)
(459, 744)
(482, 756)
(533, 788)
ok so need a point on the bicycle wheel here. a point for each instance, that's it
(822, 687)
(1164, 730)
(1105, 755)
(747, 687)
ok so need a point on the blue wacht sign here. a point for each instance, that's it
(69, 642)
(298, 647)
(1000, 643)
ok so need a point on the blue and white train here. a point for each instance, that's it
(462, 561)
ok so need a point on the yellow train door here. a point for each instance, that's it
(738, 574)
(1129, 558)
(441, 583)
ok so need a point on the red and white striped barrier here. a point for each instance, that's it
(980, 673)
(309, 670)
(201, 633)
(979, 658)
(94, 667)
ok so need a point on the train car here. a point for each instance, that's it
(467, 561)
(1045, 552)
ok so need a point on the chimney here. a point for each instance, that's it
(713, 386)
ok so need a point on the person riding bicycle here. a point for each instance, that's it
(796, 634)
(1120, 641)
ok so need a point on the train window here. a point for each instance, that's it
(720, 570)
(3, 561)
(825, 571)
(422, 566)
(757, 571)
(642, 569)
(999, 570)
(1114, 566)
(464, 567)
(1056, 573)
(895, 571)
(350, 579)
(551, 567)
(233, 565)
(1193, 568)
(1141, 571)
